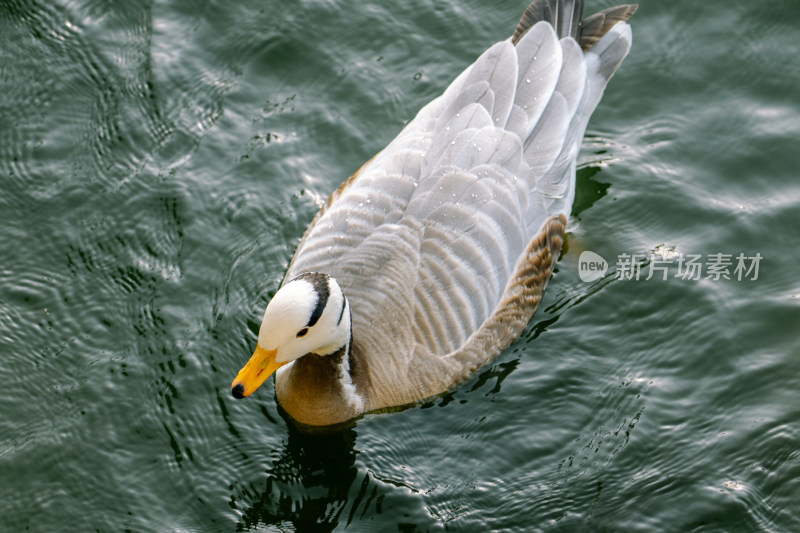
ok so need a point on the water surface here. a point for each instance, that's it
(159, 162)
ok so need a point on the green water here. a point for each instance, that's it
(159, 162)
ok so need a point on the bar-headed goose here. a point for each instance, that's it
(433, 257)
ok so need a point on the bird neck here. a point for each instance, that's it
(319, 389)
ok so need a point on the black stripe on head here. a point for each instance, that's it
(320, 284)
(341, 313)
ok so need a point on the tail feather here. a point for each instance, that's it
(563, 15)
(594, 27)
(551, 148)
(566, 17)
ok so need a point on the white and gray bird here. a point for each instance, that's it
(434, 255)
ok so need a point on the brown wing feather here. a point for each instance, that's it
(431, 373)
(594, 27)
(519, 302)
(520, 299)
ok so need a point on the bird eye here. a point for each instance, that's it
(302, 332)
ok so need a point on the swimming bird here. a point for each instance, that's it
(432, 257)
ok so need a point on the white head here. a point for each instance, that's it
(310, 314)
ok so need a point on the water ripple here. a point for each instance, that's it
(159, 163)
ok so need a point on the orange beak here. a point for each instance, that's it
(255, 372)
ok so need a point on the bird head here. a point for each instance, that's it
(309, 314)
